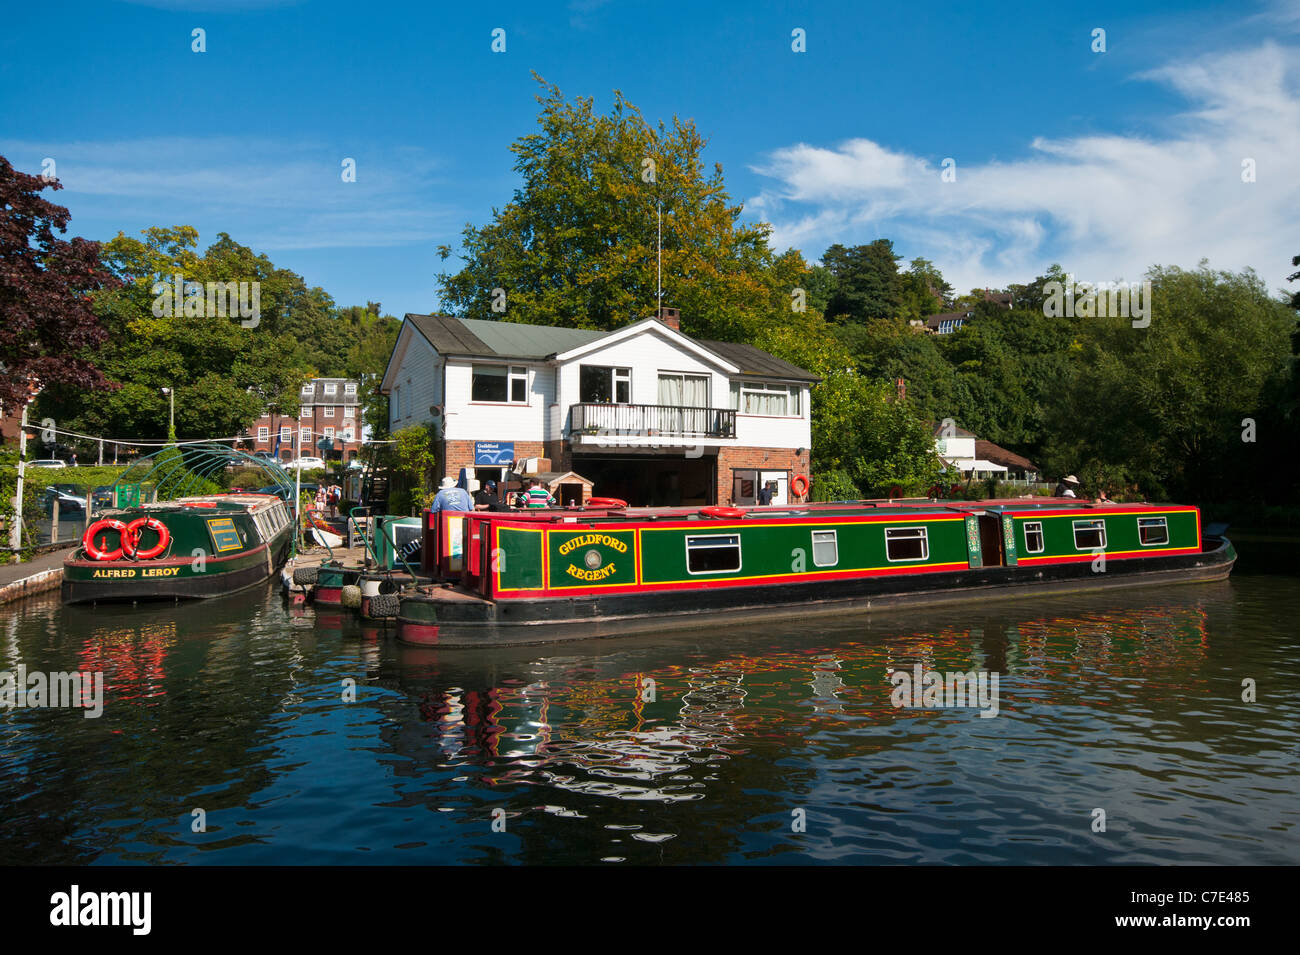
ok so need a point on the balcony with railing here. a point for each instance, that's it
(597, 420)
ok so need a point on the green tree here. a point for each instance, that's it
(576, 246)
(224, 373)
(414, 459)
(867, 282)
(1168, 404)
(863, 435)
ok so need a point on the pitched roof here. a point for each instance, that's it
(956, 432)
(934, 321)
(755, 363)
(991, 452)
(490, 339)
(480, 338)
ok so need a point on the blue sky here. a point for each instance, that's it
(1106, 162)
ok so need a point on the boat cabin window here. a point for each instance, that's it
(715, 554)
(1153, 530)
(1034, 537)
(907, 543)
(1089, 535)
(825, 548)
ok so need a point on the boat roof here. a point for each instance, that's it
(901, 507)
(226, 502)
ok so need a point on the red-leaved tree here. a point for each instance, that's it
(47, 324)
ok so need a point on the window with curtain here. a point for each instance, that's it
(762, 398)
(683, 391)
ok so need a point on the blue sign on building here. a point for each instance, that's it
(489, 453)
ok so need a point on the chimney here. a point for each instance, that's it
(672, 317)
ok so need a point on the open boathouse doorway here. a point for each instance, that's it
(652, 481)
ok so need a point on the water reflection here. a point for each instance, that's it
(688, 747)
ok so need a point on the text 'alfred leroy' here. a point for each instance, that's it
(934, 690)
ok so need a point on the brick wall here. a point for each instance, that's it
(766, 459)
(314, 419)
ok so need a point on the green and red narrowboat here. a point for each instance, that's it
(553, 575)
(189, 547)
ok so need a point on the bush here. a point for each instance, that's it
(250, 479)
(833, 486)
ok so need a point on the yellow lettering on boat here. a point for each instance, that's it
(585, 539)
(582, 573)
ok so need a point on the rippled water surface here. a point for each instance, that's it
(1128, 703)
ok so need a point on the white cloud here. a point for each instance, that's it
(1105, 206)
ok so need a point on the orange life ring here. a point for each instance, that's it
(722, 511)
(799, 485)
(605, 502)
(131, 541)
(88, 539)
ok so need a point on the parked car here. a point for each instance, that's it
(47, 463)
(306, 464)
(102, 497)
(68, 503)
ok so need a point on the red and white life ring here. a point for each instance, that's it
(799, 484)
(722, 511)
(131, 540)
(606, 502)
(101, 553)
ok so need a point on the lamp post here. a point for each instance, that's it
(171, 414)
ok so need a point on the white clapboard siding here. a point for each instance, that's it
(475, 420)
(646, 354)
(419, 378)
(761, 431)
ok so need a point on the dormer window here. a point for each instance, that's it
(350, 388)
(330, 388)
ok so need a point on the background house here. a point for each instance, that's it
(957, 449)
(649, 414)
(330, 409)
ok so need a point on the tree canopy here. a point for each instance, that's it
(226, 370)
(48, 329)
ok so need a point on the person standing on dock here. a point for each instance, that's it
(486, 496)
(538, 496)
(451, 498)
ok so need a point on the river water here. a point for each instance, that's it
(226, 737)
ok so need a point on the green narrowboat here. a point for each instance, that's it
(552, 575)
(189, 547)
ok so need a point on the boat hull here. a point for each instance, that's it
(455, 619)
(215, 546)
(79, 588)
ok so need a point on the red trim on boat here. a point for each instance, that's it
(418, 634)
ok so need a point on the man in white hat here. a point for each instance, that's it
(1066, 487)
(451, 498)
